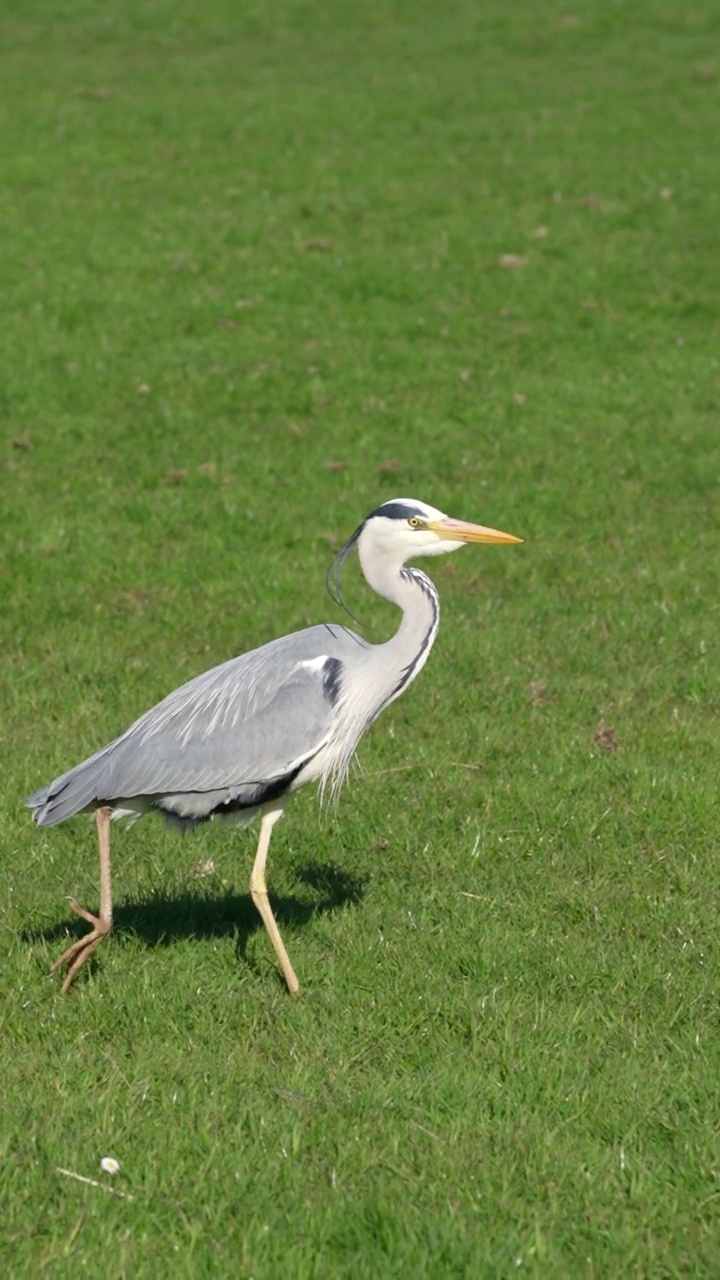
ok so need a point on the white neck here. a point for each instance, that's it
(401, 658)
(385, 670)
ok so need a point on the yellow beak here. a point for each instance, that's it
(462, 531)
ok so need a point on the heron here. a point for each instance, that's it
(236, 741)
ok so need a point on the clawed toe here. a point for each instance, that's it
(100, 926)
(86, 915)
(78, 952)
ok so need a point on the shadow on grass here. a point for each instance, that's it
(164, 918)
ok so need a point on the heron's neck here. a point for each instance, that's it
(405, 654)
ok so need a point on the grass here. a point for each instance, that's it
(256, 281)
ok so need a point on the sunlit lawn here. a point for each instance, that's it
(265, 267)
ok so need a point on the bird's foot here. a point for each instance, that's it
(80, 951)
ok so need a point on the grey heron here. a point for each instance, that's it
(237, 740)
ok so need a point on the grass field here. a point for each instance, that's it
(265, 266)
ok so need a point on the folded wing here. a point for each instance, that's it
(226, 738)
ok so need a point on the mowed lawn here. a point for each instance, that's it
(264, 267)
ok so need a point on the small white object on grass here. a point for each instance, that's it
(109, 1164)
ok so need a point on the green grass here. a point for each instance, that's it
(244, 245)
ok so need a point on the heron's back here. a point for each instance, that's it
(230, 738)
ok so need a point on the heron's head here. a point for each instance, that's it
(404, 528)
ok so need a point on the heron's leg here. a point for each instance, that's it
(80, 951)
(259, 894)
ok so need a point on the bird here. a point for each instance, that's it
(236, 741)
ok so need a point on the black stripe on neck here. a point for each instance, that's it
(429, 591)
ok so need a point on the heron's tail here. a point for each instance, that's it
(69, 794)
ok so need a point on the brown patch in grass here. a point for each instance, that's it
(606, 737)
(96, 95)
(537, 690)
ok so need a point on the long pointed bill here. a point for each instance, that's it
(462, 531)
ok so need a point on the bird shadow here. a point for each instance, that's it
(163, 919)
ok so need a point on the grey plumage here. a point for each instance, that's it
(243, 736)
(220, 741)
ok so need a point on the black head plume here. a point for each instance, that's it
(333, 575)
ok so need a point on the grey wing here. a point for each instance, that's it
(228, 735)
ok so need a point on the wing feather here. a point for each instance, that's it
(250, 720)
(225, 735)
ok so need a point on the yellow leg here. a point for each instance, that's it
(259, 894)
(80, 951)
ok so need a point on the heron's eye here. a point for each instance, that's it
(415, 522)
